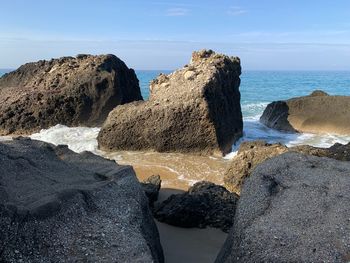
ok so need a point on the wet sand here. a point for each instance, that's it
(177, 171)
(188, 245)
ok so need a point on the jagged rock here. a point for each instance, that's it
(60, 206)
(205, 204)
(151, 186)
(72, 91)
(294, 208)
(195, 109)
(316, 113)
(250, 154)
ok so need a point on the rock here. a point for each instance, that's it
(316, 113)
(250, 154)
(205, 204)
(60, 206)
(71, 91)
(151, 186)
(193, 110)
(294, 208)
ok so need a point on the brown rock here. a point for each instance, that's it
(72, 91)
(251, 154)
(316, 113)
(195, 109)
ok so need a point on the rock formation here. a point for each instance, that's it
(205, 204)
(195, 109)
(294, 208)
(59, 206)
(250, 154)
(72, 91)
(316, 113)
(151, 186)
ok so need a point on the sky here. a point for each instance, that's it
(159, 34)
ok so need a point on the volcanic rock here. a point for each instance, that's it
(205, 204)
(71, 91)
(294, 208)
(195, 109)
(151, 186)
(60, 206)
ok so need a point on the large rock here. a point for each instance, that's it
(72, 91)
(205, 204)
(59, 206)
(250, 154)
(316, 113)
(294, 208)
(195, 109)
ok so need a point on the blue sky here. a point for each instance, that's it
(266, 34)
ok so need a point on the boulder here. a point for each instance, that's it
(60, 206)
(294, 208)
(72, 91)
(250, 154)
(316, 113)
(195, 109)
(151, 186)
(205, 204)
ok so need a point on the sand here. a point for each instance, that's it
(177, 171)
(188, 244)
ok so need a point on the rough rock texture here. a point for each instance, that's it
(250, 154)
(316, 113)
(59, 206)
(195, 109)
(151, 186)
(72, 91)
(205, 204)
(294, 208)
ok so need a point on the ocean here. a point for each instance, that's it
(258, 88)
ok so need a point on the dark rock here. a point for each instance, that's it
(294, 208)
(205, 204)
(71, 91)
(193, 110)
(250, 154)
(151, 186)
(59, 206)
(316, 113)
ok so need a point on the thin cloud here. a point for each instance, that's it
(177, 11)
(236, 11)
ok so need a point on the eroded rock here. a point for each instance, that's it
(294, 208)
(205, 204)
(316, 113)
(60, 206)
(72, 91)
(251, 154)
(195, 109)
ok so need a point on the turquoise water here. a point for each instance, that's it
(258, 88)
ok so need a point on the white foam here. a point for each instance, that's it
(78, 139)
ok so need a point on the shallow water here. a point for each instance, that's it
(258, 88)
